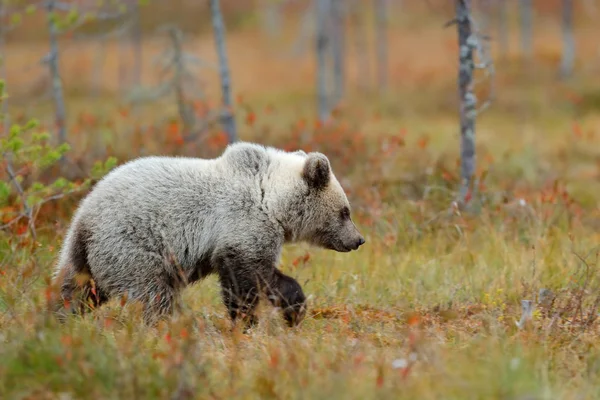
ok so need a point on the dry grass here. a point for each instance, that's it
(426, 309)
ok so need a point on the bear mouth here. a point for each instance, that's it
(340, 248)
(324, 241)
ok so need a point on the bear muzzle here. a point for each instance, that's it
(352, 245)
(359, 242)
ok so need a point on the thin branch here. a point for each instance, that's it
(486, 64)
(228, 118)
(210, 120)
(19, 188)
(97, 14)
(118, 32)
(448, 24)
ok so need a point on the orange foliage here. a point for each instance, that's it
(250, 118)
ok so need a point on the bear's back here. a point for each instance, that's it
(155, 181)
(175, 190)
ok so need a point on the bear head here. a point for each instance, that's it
(326, 220)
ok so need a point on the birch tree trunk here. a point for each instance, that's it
(227, 119)
(57, 89)
(467, 42)
(568, 55)
(187, 117)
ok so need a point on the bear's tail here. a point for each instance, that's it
(72, 272)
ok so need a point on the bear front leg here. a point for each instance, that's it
(240, 276)
(241, 296)
(285, 292)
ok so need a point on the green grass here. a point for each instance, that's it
(448, 294)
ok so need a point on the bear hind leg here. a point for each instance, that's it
(159, 304)
(77, 291)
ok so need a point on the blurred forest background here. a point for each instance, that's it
(465, 132)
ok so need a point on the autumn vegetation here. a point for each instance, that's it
(432, 306)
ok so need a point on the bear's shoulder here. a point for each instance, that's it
(247, 157)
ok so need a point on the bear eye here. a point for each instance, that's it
(345, 213)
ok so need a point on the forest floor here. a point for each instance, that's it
(427, 308)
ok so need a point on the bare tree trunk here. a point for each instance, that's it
(322, 42)
(57, 89)
(381, 7)
(526, 21)
(466, 43)
(568, 55)
(338, 48)
(503, 40)
(360, 47)
(184, 112)
(228, 120)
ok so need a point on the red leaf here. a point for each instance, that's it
(423, 142)
(468, 196)
(577, 130)
(380, 377)
(250, 118)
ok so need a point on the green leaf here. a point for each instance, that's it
(73, 16)
(16, 19)
(63, 148)
(16, 144)
(32, 200)
(50, 158)
(15, 130)
(37, 186)
(52, 17)
(39, 137)
(110, 163)
(60, 183)
(4, 191)
(32, 124)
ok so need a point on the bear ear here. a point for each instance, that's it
(316, 170)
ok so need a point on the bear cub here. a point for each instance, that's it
(154, 225)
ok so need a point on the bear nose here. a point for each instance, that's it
(360, 242)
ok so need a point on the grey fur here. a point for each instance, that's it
(156, 224)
